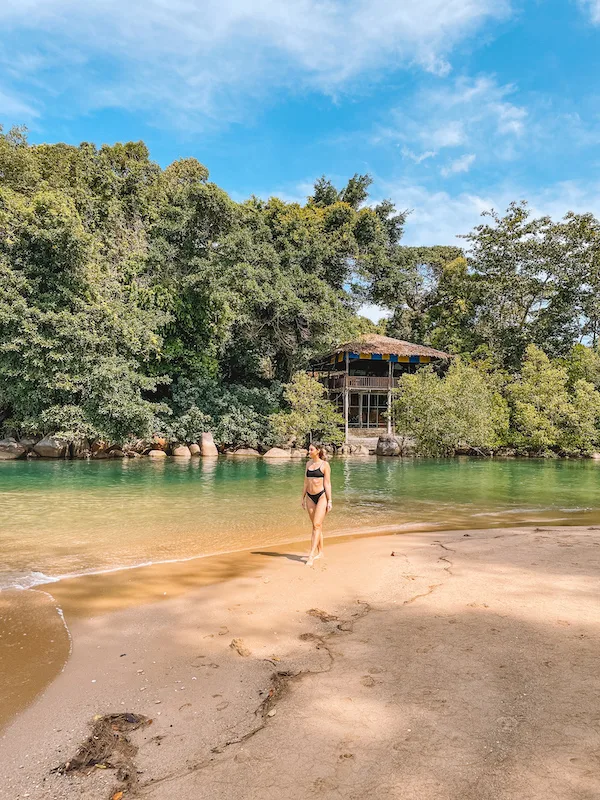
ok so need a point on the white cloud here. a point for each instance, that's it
(12, 107)
(474, 114)
(418, 158)
(450, 134)
(462, 164)
(593, 7)
(373, 312)
(472, 106)
(197, 57)
(438, 217)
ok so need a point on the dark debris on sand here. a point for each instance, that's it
(109, 747)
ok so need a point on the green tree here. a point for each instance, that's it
(582, 363)
(545, 415)
(443, 414)
(309, 413)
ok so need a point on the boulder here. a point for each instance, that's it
(28, 442)
(52, 447)
(181, 451)
(277, 452)
(388, 446)
(299, 452)
(207, 445)
(99, 449)
(359, 450)
(345, 450)
(244, 451)
(157, 454)
(116, 453)
(596, 456)
(140, 446)
(81, 448)
(11, 449)
(195, 449)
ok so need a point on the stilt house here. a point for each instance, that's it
(361, 374)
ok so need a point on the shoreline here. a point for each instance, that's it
(170, 657)
(78, 596)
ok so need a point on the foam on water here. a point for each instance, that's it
(25, 580)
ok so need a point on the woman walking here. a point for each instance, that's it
(316, 498)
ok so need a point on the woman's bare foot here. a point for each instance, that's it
(310, 560)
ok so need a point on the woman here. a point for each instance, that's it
(316, 498)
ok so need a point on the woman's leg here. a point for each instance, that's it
(311, 507)
(317, 518)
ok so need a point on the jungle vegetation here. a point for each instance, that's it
(138, 301)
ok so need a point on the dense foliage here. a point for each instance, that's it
(309, 410)
(136, 300)
(538, 410)
(443, 414)
(139, 301)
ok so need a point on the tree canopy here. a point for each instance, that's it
(137, 300)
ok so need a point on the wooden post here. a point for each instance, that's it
(346, 401)
(389, 399)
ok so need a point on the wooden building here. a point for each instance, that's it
(361, 374)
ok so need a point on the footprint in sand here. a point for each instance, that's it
(240, 648)
(324, 616)
(368, 680)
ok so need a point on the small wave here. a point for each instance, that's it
(550, 510)
(25, 581)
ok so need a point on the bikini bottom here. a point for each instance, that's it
(316, 497)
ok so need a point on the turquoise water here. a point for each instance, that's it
(70, 517)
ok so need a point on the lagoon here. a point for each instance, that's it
(63, 518)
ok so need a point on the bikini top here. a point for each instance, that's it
(315, 473)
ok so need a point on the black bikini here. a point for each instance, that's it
(315, 473)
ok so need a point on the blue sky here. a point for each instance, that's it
(454, 106)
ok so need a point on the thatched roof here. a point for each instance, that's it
(374, 343)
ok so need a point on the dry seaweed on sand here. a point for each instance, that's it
(109, 747)
(324, 616)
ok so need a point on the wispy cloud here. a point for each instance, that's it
(477, 116)
(13, 108)
(462, 164)
(198, 58)
(438, 217)
(418, 158)
(593, 8)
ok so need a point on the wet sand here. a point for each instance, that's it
(34, 647)
(465, 666)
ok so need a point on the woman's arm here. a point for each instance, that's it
(327, 486)
(304, 491)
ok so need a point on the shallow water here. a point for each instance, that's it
(60, 518)
(99, 519)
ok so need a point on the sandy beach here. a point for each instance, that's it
(465, 667)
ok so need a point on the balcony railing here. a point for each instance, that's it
(358, 382)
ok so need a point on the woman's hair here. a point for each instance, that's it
(320, 450)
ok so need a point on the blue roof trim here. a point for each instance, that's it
(413, 359)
